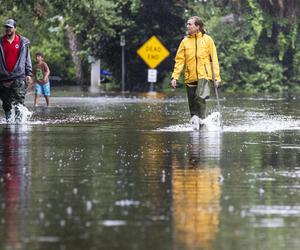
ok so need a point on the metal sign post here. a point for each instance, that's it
(122, 43)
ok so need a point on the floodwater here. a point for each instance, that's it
(129, 172)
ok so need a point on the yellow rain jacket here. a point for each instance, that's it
(194, 54)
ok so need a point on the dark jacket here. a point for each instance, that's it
(23, 65)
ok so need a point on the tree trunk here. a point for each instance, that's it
(73, 44)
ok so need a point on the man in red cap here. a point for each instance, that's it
(15, 70)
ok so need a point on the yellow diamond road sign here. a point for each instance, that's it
(153, 52)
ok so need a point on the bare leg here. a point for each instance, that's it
(47, 98)
(36, 100)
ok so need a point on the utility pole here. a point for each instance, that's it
(122, 43)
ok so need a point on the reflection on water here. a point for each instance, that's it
(196, 193)
(100, 173)
(206, 146)
(14, 182)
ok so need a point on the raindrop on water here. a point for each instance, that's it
(89, 206)
(69, 210)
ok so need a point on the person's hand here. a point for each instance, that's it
(174, 83)
(218, 84)
(28, 80)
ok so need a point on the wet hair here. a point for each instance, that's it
(39, 54)
(198, 22)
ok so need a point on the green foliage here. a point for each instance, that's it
(258, 42)
(282, 45)
(267, 76)
(56, 55)
(256, 49)
(141, 20)
(296, 67)
(256, 17)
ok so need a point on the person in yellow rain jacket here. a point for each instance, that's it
(197, 54)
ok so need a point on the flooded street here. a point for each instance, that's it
(129, 172)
